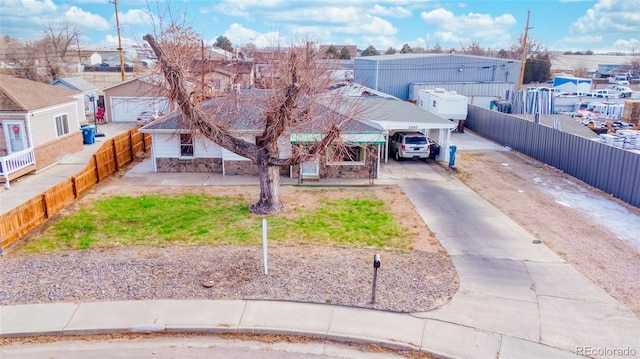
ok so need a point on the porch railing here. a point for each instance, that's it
(15, 162)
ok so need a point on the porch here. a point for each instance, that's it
(16, 165)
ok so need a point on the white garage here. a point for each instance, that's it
(124, 101)
(126, 109)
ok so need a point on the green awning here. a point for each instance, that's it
(355, 138)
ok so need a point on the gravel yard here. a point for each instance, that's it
(417, 280)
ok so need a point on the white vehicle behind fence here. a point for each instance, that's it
(605, 93)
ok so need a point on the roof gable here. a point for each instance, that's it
(18, 94)
(74, 83)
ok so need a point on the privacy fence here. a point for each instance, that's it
(112, 155)
(611, 169)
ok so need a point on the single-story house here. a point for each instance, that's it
(177, 147)
(39, 124)
(79, 84)
(124, 101)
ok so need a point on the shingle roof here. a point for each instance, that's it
(75, 83)
(18, 94)
(247, 115)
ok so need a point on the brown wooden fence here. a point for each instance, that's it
(114, 154)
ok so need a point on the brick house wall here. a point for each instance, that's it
(52, 152)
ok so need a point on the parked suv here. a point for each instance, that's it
(409, 145)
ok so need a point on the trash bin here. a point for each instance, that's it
(452, 155)
(88, 134)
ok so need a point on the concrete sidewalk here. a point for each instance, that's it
(399, 331)
(517, 299)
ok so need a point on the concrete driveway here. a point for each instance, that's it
(509, 283)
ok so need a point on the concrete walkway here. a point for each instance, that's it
(29, 186)
(517, 299)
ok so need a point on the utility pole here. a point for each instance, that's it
(523, 58)
(115, 2)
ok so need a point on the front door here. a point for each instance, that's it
(15, 132)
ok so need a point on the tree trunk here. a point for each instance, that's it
(269, 202)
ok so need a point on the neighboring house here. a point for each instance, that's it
(217, 79)
(126, 100)
(39, 124)
(179, 148)
(84, 86)
(90, 58)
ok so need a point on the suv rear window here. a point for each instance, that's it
(416, 140)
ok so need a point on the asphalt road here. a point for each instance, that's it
(210, 347)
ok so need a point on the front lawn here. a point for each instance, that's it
(201, 219)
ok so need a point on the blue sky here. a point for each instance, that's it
(600, 26)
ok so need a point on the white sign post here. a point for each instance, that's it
(264, 245)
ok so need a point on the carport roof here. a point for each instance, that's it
(394, 114)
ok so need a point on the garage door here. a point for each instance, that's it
(126, 109)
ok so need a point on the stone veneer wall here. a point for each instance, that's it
(197, 165)
(342, 171)
(240, 168)
(52, 152)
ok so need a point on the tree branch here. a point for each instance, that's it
(178, 93)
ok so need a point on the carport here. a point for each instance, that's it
(395, 115)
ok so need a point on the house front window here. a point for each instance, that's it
(346, 155)
(186, 144)
(62, 125)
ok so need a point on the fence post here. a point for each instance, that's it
(95, 160)
(74, 188)
(44, 206)
(115, 154)
(131, 145)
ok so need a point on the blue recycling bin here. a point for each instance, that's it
(88, 134)
(452, 155)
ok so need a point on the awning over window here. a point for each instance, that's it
(355, 138)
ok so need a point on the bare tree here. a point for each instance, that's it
(473, 48)
(56, 44)
(23, 58)
(293, 101)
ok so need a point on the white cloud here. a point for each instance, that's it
(627, 45)
(241, 35)
(86, 19)
(376, 25)
(610, 16)
(112, 40)
(27, 7)
(243, 8)
(135, 17)
(327, 14)
(395, 11)
(455, 29)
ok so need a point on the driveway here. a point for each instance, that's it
(510, 283)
